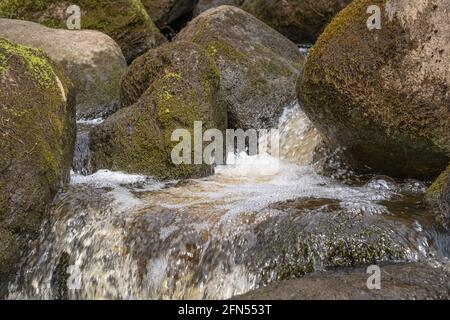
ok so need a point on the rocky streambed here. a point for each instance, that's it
(92, 205)
(253, 223)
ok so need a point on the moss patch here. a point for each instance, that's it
(166, 89)
(36, 61)
(435, 191)
(126, 21)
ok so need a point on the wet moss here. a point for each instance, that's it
(60, 277)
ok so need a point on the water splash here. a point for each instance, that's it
(255, 221)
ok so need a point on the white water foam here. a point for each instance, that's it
(109, 179)
(90, 122)
(220, 208)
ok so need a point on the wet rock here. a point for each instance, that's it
(438, 196)
(166, 89)
(383, 95)
(218, 237)
(92, 61)
(204, 5)
(126, 21)
(257, 65)
(37, 129)
(300, 21)
(398, 282)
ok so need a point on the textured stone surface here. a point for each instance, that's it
(383, 94)
(91, 60)
(258, 66)
(37, 131)
(166, 89)
(126, 21)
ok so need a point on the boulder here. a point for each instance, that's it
(92, 61)
(438, 196)
(126, 21)
(168, 88)
(300, 21)
(382, 95)
(204, 5)
(257, 65)
(165, 12)
(37, 130)
(414, 281)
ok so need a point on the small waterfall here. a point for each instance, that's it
(82, 156)
(258, 220)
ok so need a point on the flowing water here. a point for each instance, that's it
(259, 220)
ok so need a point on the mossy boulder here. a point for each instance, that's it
(37, 129)
(258, 66)
(383, 95)
(93, 61)
(438, 196)
(300, 21)
(408, 281)
(165, 12)
(168, 88)
(126, 21)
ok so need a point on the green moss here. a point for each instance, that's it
(225, 50)
(435, 190)
(356, 106)
(171, 94)
(299, 256)
(3, 199)
(175, 75)
(36, 61)
(126, 21)
(37, 139)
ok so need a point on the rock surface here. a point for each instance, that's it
(300, 21)
(166, 89)
(257, 65)
(383, 95)
(91, 60)
(37, 130)
(438, 196)
(126, 21)
(165, 12)
(398, 282)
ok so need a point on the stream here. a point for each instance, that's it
(258, 220)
